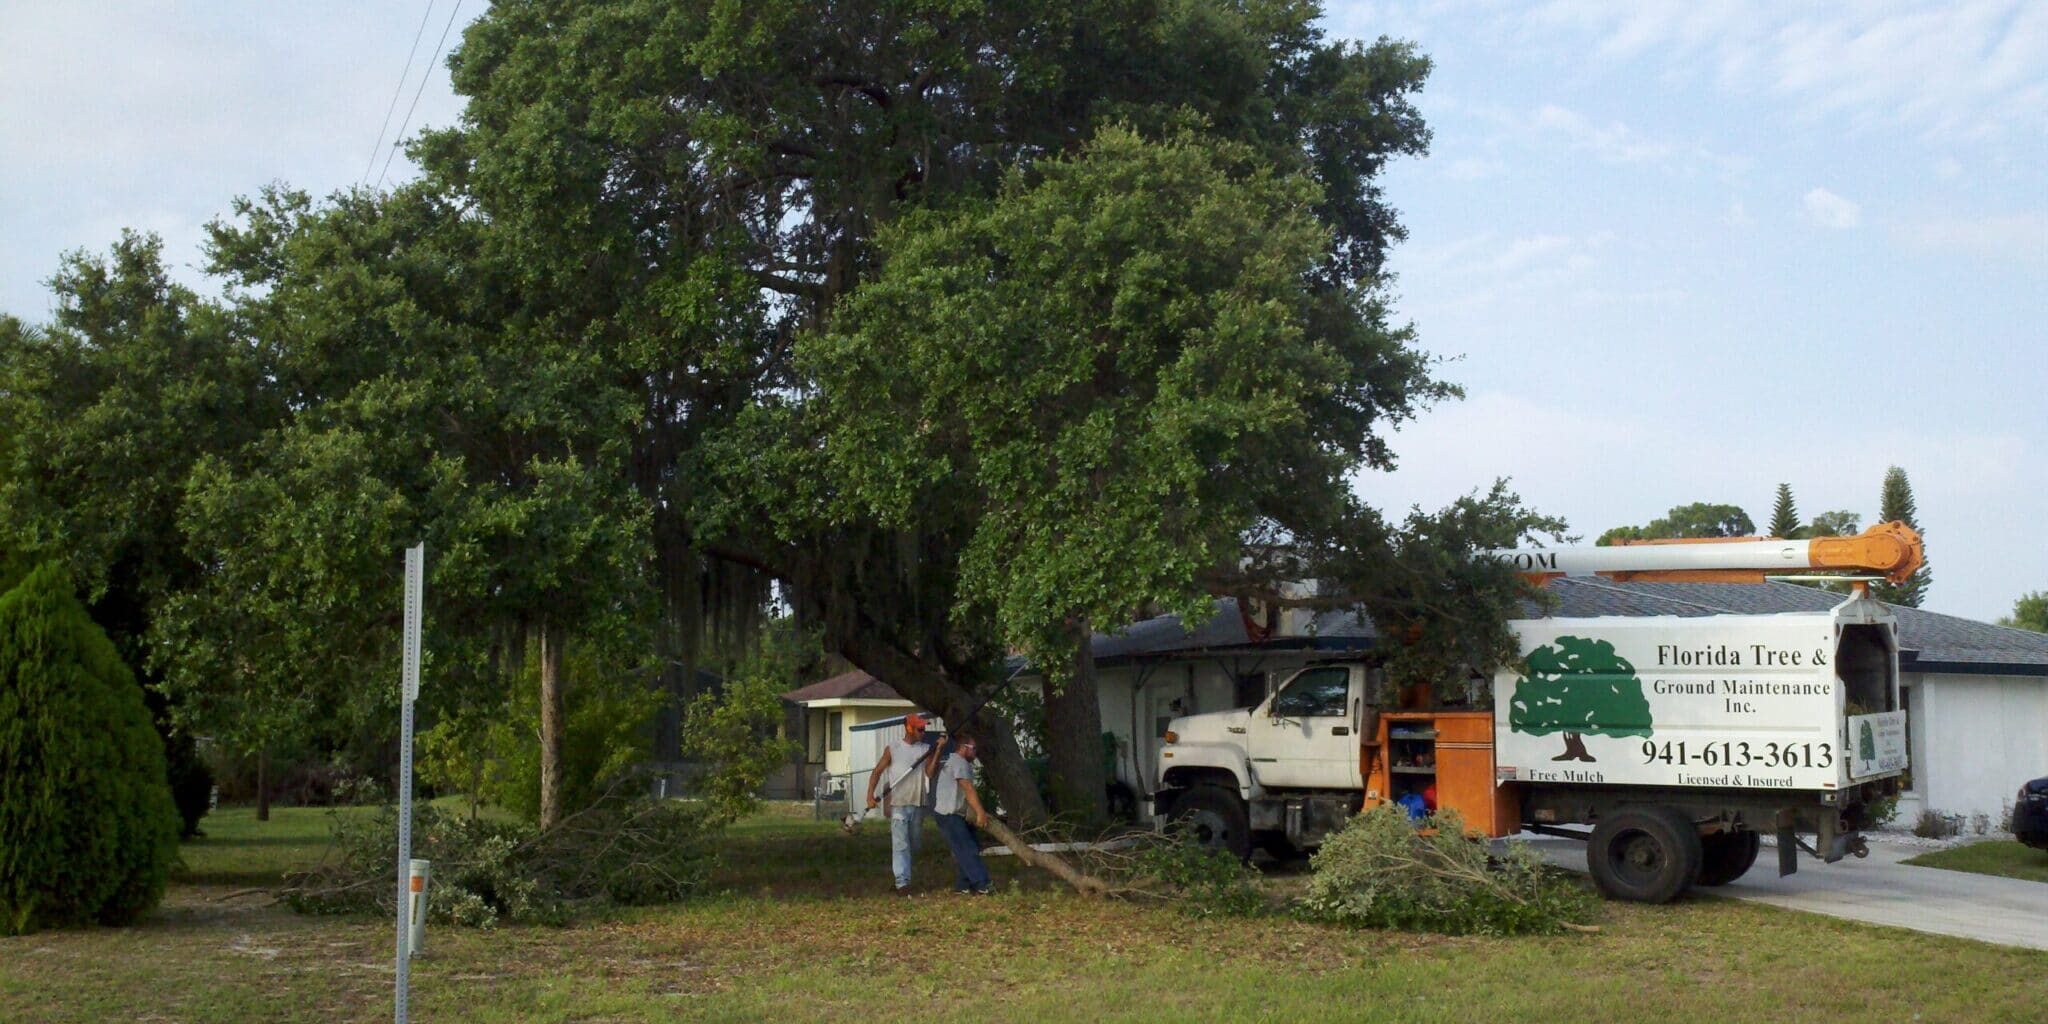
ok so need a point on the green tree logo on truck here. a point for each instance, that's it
(1866, 744)
(1575, 687)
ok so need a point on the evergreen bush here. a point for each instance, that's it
(88, 830)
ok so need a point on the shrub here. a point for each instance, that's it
(88, 830)
(1880, 811)
(191, 780)
(1935, 825)
(493, 757)
(733, 732)
(488, 871)
(1382, 872)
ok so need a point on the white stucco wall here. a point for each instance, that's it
(1975, 739)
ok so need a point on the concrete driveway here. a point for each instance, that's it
(1881, 890)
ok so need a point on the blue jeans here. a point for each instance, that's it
(971, 873)
(906, 827)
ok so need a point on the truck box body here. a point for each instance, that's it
(1803, 701)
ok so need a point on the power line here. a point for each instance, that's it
(397, 91)
(428, 73)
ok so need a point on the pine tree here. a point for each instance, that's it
(88, 830)
(1896, 506)
(2029, 612)
(1785, 516)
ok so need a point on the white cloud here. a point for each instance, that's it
(1485, 269)
(1948, 168)
(2020, 237)
(156, 116)
(1612, 142)
(1474, 169)
(1523, 253)
(1738, 215)
(1829, 210)
(1972, 68)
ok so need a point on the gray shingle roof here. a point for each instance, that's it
(1224, 631)
(854, 685)
(1932, 642)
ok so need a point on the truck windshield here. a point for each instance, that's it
(1316, 693)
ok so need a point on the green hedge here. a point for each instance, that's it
(88, 830)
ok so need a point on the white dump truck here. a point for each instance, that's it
(1668, 744)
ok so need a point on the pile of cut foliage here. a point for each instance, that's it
(1382, 871)
(486, 871)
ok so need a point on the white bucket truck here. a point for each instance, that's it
(1669, 744)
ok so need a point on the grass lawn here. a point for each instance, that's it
(1991, 857)
(805, 929)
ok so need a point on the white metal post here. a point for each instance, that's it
(417, 906)
(415, 584)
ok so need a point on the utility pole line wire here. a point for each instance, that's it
(397, 91)
(428, 73)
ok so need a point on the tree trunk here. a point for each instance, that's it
(1574, 749)
(933, 689)
(1003, 762)
(551, 726)
(1087, 885)
(1073, 737)
(263, 784)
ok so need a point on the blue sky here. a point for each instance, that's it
(1677, 251)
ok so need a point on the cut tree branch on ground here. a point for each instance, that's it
(1087, 885)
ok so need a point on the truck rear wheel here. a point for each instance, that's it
(1644, 854)
(1726, 856)
(1215, 817)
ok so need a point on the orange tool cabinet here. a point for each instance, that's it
(1451, 750)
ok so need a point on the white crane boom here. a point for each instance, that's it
(1891, 550)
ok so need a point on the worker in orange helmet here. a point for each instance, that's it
(905, 791)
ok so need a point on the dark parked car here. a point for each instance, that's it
(2030, 814)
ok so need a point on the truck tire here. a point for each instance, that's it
(1215, 817)
(1726, 856)
(1644, 854)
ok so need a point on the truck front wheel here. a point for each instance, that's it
(1726, 856)
(1644, 854)
(1215, 817)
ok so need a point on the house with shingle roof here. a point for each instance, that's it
(844, 722)
(1976, 695)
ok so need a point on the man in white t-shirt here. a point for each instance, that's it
(959, 813)
(902, 776)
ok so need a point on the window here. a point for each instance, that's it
(1316, 693)
(833, 722)
(814, 736)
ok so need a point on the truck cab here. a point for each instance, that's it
(1278, 775)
